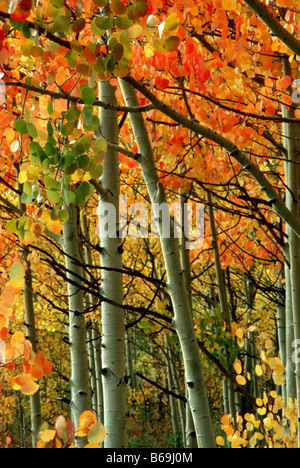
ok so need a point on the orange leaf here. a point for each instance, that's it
(270, 110)
(240, 380)
(22, 10)
(86, 421)
(8, 296)
(28, 386)
(18, 337)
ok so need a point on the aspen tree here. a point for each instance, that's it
(79, 380)
(112, 317)
(183, 321)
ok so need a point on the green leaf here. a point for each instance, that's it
(103, 23)
(100, 146)
(83, 161)
(53, 195)
(32, 130)
(122, 22)
(171, 43)
(12, 226)
(87, 115)
(49, 127)
(63, 216)
(96, 434)
(172, 22)
(88, 95)
(68, 158)
(16, 271)
(67, 128)
(26, 30)
(27, 188)
(94, 125)
(61, 24)
(82, 145)
(79, 148)
(72, 114)
(50, 108)
(51, 183)
(97, 171)
(72, 59)
(21, 126)
(83, 192)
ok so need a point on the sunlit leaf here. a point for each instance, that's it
(88, 95)
(96, 434)
(47, 435)
(240, 379)
(171, 43)
(16, 271)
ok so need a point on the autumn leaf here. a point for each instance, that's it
(26, 384)
(47, 435)
(20, 10)
(240, 379)
(96, 433)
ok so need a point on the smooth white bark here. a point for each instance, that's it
(183, 321)
(79, 381)
(113, 321)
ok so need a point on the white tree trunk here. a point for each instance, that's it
(183, 321)
(79, 381)
(113, 321)
(35, 402)
(292, 174)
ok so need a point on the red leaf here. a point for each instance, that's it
(22, 10)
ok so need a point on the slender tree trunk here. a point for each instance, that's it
(289, 329)
(281, 331)
(113, 324)
(251, 385)
(291, 132)
(95, 336)
(129, 360)
(98, 366)
(173, 406)
(35, 403)
(79, 381)
(92, 366)
(183, 321)
(190, 435)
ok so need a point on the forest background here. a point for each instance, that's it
(188, 111)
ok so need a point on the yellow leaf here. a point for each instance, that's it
(229, 4)
(220, 440)
(47, 435)
(92, 446)
(278, 379)
(240, 380)
(237, 365)
(258, 370)
(17, 337)
(96, 434)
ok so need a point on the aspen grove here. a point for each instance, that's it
(149, 224)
